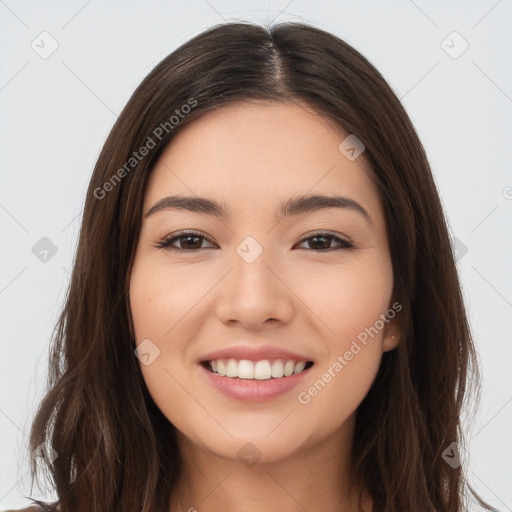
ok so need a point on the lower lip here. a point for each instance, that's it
(253, 390)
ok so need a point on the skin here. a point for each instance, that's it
(253, 156)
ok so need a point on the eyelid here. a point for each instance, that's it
(346, 243)
(165, 242)
(325, 232)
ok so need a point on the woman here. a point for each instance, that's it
(264, 311)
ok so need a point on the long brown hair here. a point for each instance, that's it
(115, 449)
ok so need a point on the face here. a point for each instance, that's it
(312, 284)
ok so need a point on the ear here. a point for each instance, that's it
(390, 342)
(392, 333)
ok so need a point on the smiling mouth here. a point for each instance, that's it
(265, 369)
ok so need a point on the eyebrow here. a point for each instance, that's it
(294, 206)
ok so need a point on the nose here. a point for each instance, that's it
(255, 293)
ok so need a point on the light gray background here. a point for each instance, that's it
(56, 113)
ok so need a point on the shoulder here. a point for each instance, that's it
(28, 509)
(32, 508)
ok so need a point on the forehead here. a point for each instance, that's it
(249, 154)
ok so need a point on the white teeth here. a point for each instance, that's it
(288, 368)
(246, 369)
(262, 370)
(299, 367)
(259, 370)
(232, 368)
(277, 369)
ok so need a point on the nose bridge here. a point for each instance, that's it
(252, 293)
(251, 264)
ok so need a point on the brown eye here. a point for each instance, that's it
(321, 242)
(188, 242)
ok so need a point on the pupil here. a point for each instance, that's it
(188, 238)
(316, 238)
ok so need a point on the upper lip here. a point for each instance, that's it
(254, 354)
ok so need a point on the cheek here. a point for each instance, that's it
(347, 298)
(157, 311)
(337, 388)
(160, 297)
(167, 308)
(351, 303)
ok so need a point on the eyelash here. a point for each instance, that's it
(166, 242)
